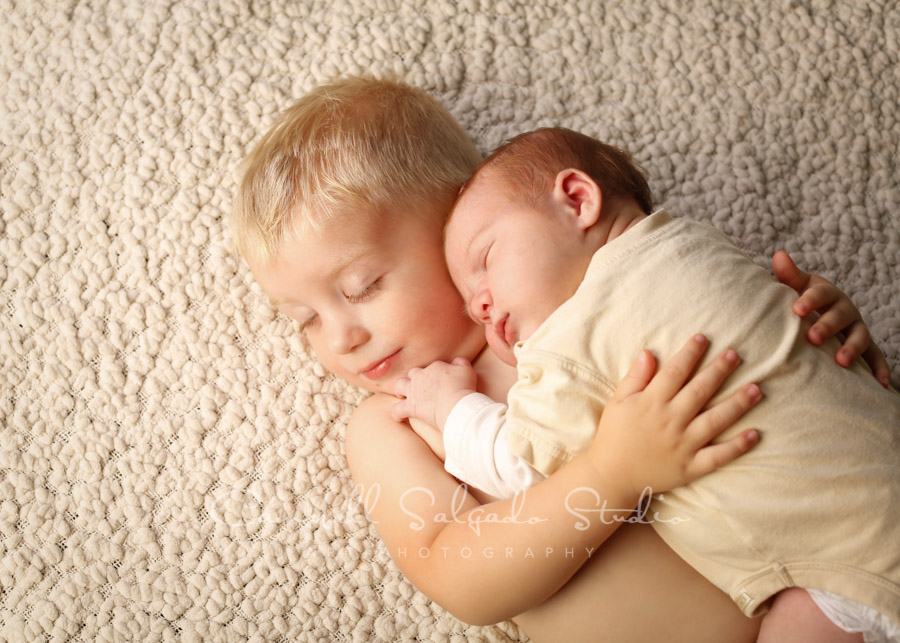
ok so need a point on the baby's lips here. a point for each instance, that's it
(501, 330)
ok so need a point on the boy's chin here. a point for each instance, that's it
(379, 386)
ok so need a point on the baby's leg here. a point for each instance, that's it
(794, 617)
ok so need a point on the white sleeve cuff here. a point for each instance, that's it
(477, 452)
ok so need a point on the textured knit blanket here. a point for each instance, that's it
(171, 455)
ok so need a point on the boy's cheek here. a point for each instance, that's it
(325, 357)
(333, 365)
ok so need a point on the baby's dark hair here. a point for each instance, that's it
(530, 162)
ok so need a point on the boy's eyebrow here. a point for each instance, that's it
(350, 259)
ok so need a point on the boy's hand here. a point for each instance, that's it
(653, 433)
(838, 314)
(432, 392)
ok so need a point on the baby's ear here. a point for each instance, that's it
(578, 195)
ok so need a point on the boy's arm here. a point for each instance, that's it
(487, 564)
(838, 314)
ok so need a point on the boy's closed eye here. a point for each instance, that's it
(364, 293)
(306, 323)
(360, 296)
(305, 317)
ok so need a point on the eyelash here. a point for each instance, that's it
(304, 324)
(365, 293)
(484, 256)
(355, 298)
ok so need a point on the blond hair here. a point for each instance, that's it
(356, 145)
(530, 162)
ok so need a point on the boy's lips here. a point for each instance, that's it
(379, 369)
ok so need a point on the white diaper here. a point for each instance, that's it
(851, 616)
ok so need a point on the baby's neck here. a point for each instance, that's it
(617, 218)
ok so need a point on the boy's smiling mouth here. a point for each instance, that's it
(379, 369)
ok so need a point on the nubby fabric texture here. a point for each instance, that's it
(171, 454)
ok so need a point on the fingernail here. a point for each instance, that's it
(754, 392)
(753, 436)
(885, 380)
(700, 339)
(801, 309)
(731, 356)
(815, 334)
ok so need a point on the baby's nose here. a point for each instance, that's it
(480, 308)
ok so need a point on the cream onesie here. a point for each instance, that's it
(816, 504)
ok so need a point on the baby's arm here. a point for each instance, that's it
(838, 314)
(473, 427)
(466, 556)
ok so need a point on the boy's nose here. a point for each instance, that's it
(346, 336)
(481, 305)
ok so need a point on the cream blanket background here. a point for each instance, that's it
(171, 460)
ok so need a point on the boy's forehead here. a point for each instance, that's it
(341, 232)
(323, 253)
(354, 239)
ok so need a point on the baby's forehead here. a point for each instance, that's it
(478, 199)
(485, 180)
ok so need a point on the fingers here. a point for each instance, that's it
(638, 376)
(461, 361)
(788, 273)
(678, 369)
(401, 411)
(858, 339)
(710, 458)
(820, 295)
(711, 423)
(706, 383)
(841, 316)
(401, 386)
(717, 419)
(839, 311)
(876, 361)
(844, 316)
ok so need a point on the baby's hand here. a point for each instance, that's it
(653, 434)
(432, 392)
(838, 314)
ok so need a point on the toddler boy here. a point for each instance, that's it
(553, 244)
